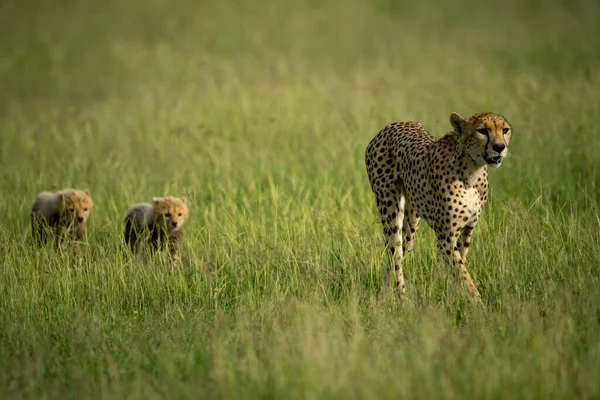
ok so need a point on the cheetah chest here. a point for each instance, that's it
(472, 205)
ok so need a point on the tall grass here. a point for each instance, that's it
(259, 113)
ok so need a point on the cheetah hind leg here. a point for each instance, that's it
(39, 229)
(409, 227)
(392, 215)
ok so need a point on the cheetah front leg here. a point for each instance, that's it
(464, 241)
(392, 216)
(447, 245)
(174, 240)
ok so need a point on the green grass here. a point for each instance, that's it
(259, 112)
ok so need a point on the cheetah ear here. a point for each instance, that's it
(183, 200)
(62, 194)
(457, 122)
(156, 200)
(86, 191)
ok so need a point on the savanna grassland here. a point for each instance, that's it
(259, 112)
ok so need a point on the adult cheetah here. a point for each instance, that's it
(444, 181)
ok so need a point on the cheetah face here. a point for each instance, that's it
(485, 137)
(76, 204)
(170, 212)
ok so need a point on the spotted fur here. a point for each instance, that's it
(63, 214)
(156, 224)
(444, 181)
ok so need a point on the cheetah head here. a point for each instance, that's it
(170, 212)
(484, 137)
(76, 204)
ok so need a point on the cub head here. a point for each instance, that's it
(170, 212)
(76, 204)
(484, 137)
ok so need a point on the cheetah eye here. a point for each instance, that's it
(483, 131)
(72, 209)
(179, 215)
(85, 209)
(505, 130)
(168, 215)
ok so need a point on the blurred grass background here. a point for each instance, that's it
(259, 112)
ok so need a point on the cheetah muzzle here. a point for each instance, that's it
(493, 162)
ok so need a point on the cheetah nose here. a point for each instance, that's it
(174, 223)
(80, 219)
(499, 147)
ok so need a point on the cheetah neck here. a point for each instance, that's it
(472, 172)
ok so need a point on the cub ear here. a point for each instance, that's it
(156, 200)
(183, 200)
(458, 122)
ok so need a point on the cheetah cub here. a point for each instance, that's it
(157, 224)
(63, 214)
(444, 181)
